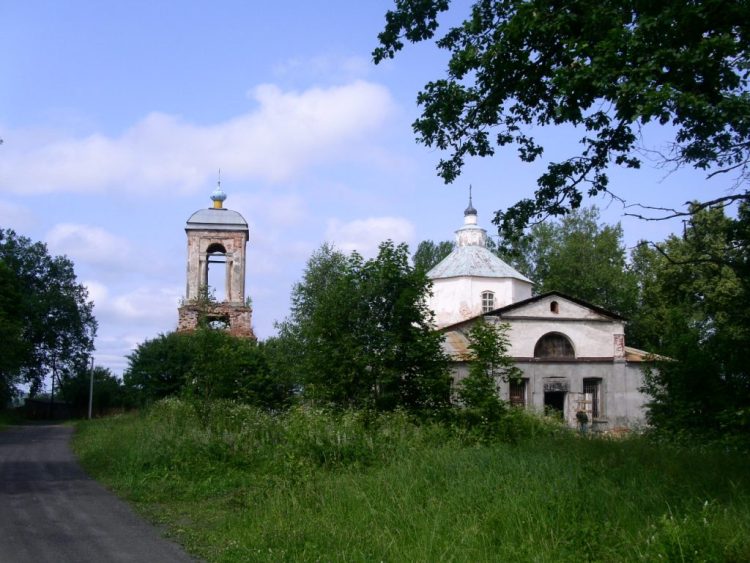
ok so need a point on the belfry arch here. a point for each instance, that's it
(217, 254)
(216, 238)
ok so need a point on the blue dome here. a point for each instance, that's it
(218, 194)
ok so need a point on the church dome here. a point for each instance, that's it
(218, 194)
(471, 257)
(216, 218)
(470, 210)
(475, 261)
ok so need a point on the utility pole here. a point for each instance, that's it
(91, 387)
(52, 395)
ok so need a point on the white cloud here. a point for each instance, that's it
(98, 292)
(152, 305)
(271, 209)
(14, 216)
(155, 305)
(285, 133)
(90, 245)
(364, 235)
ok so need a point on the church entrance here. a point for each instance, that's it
(554, 402)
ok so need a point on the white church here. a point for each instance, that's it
(572, 353)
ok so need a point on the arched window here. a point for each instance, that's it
(488, 301)
(216, 277)
(554, 345)
(554, 307)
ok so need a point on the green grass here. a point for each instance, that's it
(236, 484)
(9, 418)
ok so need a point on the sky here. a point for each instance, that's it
(116, 118)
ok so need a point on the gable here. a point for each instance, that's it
(555, 306)
(594, 333)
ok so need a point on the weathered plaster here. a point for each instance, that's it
(204, 230)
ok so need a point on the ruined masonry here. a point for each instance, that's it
(216, 236)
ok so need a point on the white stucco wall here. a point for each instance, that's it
(590, 339)
(594, 336)
(460, 298)
(591, 333)
(621, 403)
(565, 309)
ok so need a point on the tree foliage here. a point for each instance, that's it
(44, 314)
(360, 332)
(607, 68)
(489, 364)
(13, 348)
(227, 367)
(578, 256)
(158, 367)
(204, 364)
(109, 392)
(695, 309)
(429, 254)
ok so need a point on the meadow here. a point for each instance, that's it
(234, 483)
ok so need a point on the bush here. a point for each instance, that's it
(205, 365)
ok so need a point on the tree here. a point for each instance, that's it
(429, 254)
(489, 365)
(56, 320)
(695, 302)
(109, 392)
(158, 367)
(362, 334)
(228, 367)
(204, 365)
(607, 68)
(13, 349)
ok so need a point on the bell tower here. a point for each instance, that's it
(216, 238)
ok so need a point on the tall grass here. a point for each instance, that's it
(237, 484)
(9, 417)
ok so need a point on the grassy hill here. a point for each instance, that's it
(233, 483)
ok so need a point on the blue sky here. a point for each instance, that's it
(116, 117)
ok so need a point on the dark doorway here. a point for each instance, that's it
(554, 402)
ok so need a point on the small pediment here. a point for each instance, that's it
(555, 306)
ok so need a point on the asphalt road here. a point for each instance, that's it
(51, 511)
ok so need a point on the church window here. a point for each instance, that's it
(554, 307)
(592, 397)
(488, 301)
(517, 392)
(554, 345)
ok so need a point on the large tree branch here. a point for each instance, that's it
(694, 207)
(691, 262)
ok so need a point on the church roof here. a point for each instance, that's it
(216, 220)
(474, 261)
(519, 304)
(471, 257)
